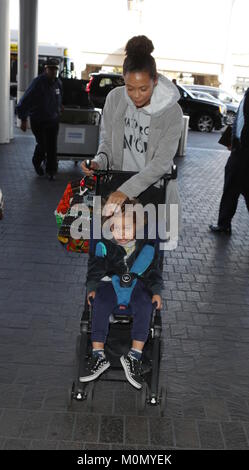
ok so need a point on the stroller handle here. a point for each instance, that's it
(166, 176)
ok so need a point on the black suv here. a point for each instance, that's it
(225, 97)
(100, 85)
(204, 115)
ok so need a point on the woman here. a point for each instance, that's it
(141, 126)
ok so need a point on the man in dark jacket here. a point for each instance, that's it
(236, 170)
(42, 101)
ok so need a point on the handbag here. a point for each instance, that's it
(68, 210)
(226, 137)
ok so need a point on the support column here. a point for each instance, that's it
(4, 72)
(27, 45)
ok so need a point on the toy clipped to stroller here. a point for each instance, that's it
(121, 325)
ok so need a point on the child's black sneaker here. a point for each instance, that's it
(96, 366)
(132, 368)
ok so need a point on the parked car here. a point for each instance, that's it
(231, 102)
(100, 85)
(202, 95)
(74, 93)
(204, 115)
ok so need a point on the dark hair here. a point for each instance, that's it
(132, 202)
(138, 56)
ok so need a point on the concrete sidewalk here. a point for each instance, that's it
(206, 322)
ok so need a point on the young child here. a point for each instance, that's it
(123, 254)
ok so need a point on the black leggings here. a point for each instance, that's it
(46, 144)
(236, 183)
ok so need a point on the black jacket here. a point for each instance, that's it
(42, 100)
(243, 142)
(113, 263)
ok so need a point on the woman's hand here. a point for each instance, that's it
(91, 295)
(87, 171)
(115, 200)
(157, 298)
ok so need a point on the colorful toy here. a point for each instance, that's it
(76, 192)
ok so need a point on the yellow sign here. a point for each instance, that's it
(13, 47)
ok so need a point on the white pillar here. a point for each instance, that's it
(4, 72)
(27, 45)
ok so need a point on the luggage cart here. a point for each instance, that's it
(78, 136)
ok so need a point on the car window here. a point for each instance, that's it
(105, 82)
(225, 97)
(214, 93)
(208, 96)
(118, 81)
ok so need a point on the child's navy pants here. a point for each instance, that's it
(106, 300)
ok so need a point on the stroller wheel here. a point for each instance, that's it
(162, 400)
(142, 398)
(70, 396)
(90, 394)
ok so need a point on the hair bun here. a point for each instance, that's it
(139, 45)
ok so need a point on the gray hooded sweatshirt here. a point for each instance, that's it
(164, 117)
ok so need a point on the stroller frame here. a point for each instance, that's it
(152, 392)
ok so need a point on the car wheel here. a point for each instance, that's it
(204, 123)
(230, 118)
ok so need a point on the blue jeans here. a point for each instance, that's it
(105, 302)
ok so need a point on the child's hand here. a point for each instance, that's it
(157, 298)
(91, 294)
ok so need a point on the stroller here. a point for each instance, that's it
(119, 337)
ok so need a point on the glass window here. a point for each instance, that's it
(118, 81)
(225, 97)
(105, 82)
(66, 68)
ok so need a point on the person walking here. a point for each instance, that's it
(236, 170)
(140, 128)
(42, 102)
